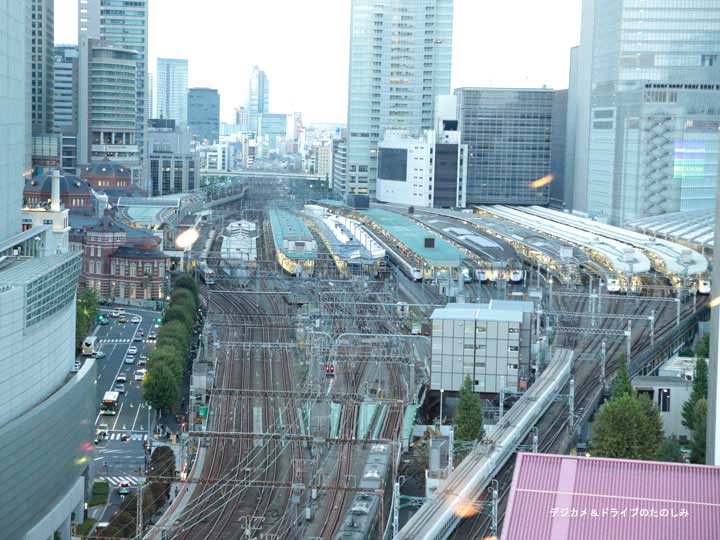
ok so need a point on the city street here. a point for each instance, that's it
(119, 460)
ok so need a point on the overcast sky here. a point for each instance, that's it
(303, 46)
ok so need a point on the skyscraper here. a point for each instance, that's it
(107, 110)
(125, 24)
(258, 97)
(204, 113)
(172, 89)
(646, 85)
(713, 428)
(42, 60)
(39, 397)
(400, 60)
(65, 81)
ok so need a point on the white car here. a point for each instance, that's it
(140, 374)
(135, 320)
(115, 313)
(132, 349)
(130, 359)
(76, 366)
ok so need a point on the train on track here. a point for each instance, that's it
(362, 519)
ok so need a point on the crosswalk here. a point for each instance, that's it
(133, 436)
(115, 480)
(119, 340)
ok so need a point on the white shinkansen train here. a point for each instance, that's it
(704, 286)
(516, 275)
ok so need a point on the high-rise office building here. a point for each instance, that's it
(712, 455)
(40, 400)
(258, 97)
(204, 113)
(124, 23)
(107, 115)
(42, 56)
(172, 89)
(508, 133)
(242, 119)
(65, 85)
(560, 190)
(151, 101)
(400, 60)
(646, 85)
(171, 166)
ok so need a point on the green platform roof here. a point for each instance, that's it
(286, 226)
(413, 236)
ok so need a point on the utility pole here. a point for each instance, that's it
(139, 512)
(396, 509)
(571, 405)
(603, 363)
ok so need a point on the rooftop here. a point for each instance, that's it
(22, 270)
(508, 311)
(578, 498)
(68, 184)
(130, 252)
(696, 227)
(413, 236)
(105, 169)
(287, 227)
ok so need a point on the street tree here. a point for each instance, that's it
(186, 281)
(699, 391)
(168, 357)
(468, 417)
(180, 313)
(697, 448)
(627, 427)
(183, 296)
(160, 387)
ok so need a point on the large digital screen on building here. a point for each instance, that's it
(392, 164)
(689, 160)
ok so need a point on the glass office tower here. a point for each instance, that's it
(654, 113)
(400, 59)
(172, 89)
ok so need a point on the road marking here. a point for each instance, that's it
(117, 416)
(140, 406)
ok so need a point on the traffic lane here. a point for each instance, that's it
(133, 415)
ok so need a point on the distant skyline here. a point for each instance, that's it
(303, 46)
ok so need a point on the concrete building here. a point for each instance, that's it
(508, 133)
(669, 390)
(273, 126)
(171, 165)
(108, 95)
(42, 57)
(171, 96)
(75, 193)
(204, 114)
(428, 170)
(242, 119)
(645, 84)
(258, 98)
(400, 59)
(491, 343)
(339, 164)
(323, 159)
(40, 400)
(126, 25)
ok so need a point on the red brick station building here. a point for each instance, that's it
(121, 268)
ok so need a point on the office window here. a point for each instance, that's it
(664, 399)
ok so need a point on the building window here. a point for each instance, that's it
(664, 399)
(132, 269)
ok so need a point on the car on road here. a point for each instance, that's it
(115, 313)
(76, 366)
(122, 319)
(141, 362)
(99, 354)
(140, 374)
(140, 332)
(123, 490)
(122, 378)
(102, 430)
(130, 359)
(125, 437)
(132, 349)
(135, 320)
(152, 336)
(119, 387)
(104, 321)
(138, 337)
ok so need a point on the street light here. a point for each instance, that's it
(185, 241)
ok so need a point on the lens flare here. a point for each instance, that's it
(187, 238)
(715, 302)
(464, 508)
(541, 182)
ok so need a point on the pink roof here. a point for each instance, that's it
(579, 498)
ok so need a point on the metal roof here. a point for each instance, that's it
(26, 269)
(673, 258)
(623, 257)
(695, 227)
(578, 498)
(287, 227)
(507, 312)
(413, 236)
(352, 245)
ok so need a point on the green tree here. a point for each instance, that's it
(160, 387)
(468, 417)
(622, 385)
(184, 297)
(670, 451)
(627, 427)
(87, 308)
(168, 357)
(697, 448)
(180, 313)
(186, 281)
(699, 391)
